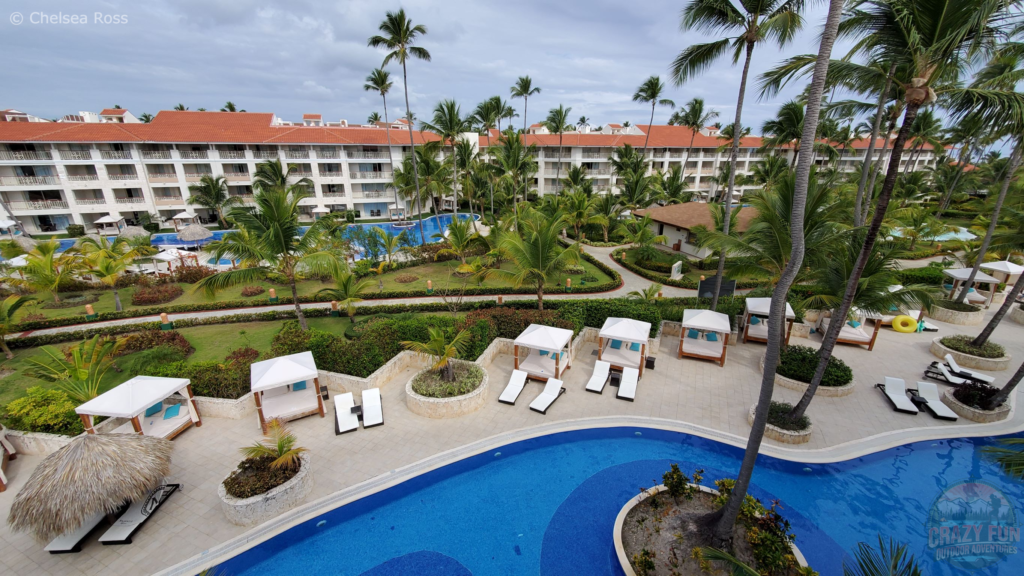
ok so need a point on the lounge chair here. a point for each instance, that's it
(600, 377)
(344, 419)
(515, 387)
(136, 515)
(552, 390)
(930, 392)
(965, 373)
(895, 389)
(939, 371)
(627, 388)
(71, 542)
(373, 412)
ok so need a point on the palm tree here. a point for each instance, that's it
(558, 122)
(230, 107)
(486, 117)
(607, 207)
(583, 121)
(627, 160)
(505, 111)
(180, 107)
(966, 132)
(918, 223)
(672, 186)
(390, 242)
(515, 163)
(269, 241)
(347, 292)
(753, 23)
(460, 238)
(108, 271)
(926, 131)
(212, 193)
(374, 118)
(651, 91)
(770, 171)
(468, 158)
(434, 175)
(579, 211)
(441, 350)
(1010, 459)
(272, 175)
(639, 192)
(46, 268)
(649, 294)
(399, 36)
(695, 117)
(449, 124)
(379, 81)
(8, 309)
(536, 253)
(524, 88)
(279, 445)
(786, 128)
(1011, 239)
(80, 371)
(146, 117)
(642, 238)
(890, 559)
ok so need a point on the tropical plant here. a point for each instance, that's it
(925, 131)
(627, 160)
(390, 242)
(279, 444)
(557, 122)
(695, 117)
(467, 158)
(374, 118)
(146, 117)
(230, 107)
(80, 374)
(579, 211)
(1009, 458)
(449, 124)
(46, 269)
(379, 81)
(8, 309)
(651, 91)
(514, 163)
(770, 171)
(917, 223)
(347, 292)
(639, 191)
(524, 88)
(180, 107)
(608, 209)
(441, 350)
(583, 121)
(535, 252)
(642, 238)
(212, 193)
(1009, 240)
(890, 559)
(672, 187)
(649, 294)
(272, 175)
(460, 239)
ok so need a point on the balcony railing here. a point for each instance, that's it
(133, 200)
(297, 154)
(123, 176)
(235, 176)
(195, 176)
(40, 205)
(243, 197)
(331, 174)
(163, 177)
(368, 175)
(333, 194)
(116, 154)
(264, 154)
(232, 154)
(368, 155)
(156, 154)
(90, 201)
(193, 154)
(301, 174)
(169, 200)
(594, 155)
(76, 155)
(28, 180)
(599, 171)
(83, 177)
(25, 155)
(373, 193)
(328, 154)
(554, 154)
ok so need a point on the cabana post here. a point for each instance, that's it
(704, 334)
(281, 390)
(755, 320)
(550, 345)
(959, 275)
(141, 401)
(627, 343)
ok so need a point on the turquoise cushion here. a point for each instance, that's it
(172, 411)
(970, 290)
(562, 355)
(893, 308)
(154, 409)
(635, 346)
(754, 320)
(544, 352)
(712, 337)
(854, 324)
(617, 344)
(947, 286)
(299, 386)
(691, 333)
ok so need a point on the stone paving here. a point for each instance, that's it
(687, 390)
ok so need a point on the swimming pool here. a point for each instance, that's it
(547, 506)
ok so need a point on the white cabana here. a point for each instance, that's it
(704, 334)
(396, 212)
(172, 255)
(626, 343)
(183, 219)
(549, 351)
(286, 388)
(319, 211)
(960, 275)
(755, 319)
(1003, 269)
(110, 224)
(10, 226)
(143, 402)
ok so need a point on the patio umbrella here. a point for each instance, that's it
(94, 473)
(134, 231)
(194, 233)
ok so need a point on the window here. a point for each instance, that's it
(375, 213)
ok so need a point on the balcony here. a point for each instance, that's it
(193, 154)
(235, 176)
(245, 198)
(599, 171)
(75, 155)
(156, 154)
(165, 200)
(333, 194)
(133, 200)
(368, 175)
(116, 154)
(232, 154)
(300, 174)
(39, 205)
(26, 155)
(552, 154)
(328, 155)
(297, 154)
(338, 174)
(163, 178)
(595, 155)
(368, 155)
(28, 180)
(197, 176)
(90, 201)
(373, 193)
(265, 154)
(123, 176)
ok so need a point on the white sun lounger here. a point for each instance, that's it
(373, 413)
(895, 389)
(344, 419)
(552, 390)
(965, 373)
(515, 387)
(600, 377)
(72, 541)
(627, 388)
(136, 515)
(930, 392)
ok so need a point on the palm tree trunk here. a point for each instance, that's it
(540, 294)
(965, 159)
(1011, 299)
(858, 219)
(7, 351)
(117, 300)
(558, 167)
(649, 124)
(777, 312)
(1014, 164)
(1000, 397)
(387, 128)
(295, 301)
(693, 134)
(415, 169)
(526, 103)
(736, 132)
(874, 172)
(839, 316)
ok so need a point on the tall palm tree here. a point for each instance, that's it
(583, 121)
(269, 240)
(8, 309)
(672, 186)
(536, 252)
(575, 178)
(639, 191)
(374, 118)
(607, 207)
(399, 35)
(770, 171)
(651, 91)
(468, 158)
(180, 107)
(379, 81)
(1011, 239)
(786, 128)
(558, 122)
(449, 124)
(926, 131)
(753, 22)
(515, 163)
(212, 193)
(347, 292)
(230, 107)
(695, 117)
(272, 174)
(966, 132)
(146, 117)
(524, 88)
(441, 350)
(486, 117)
(627, 160)
(505, 111)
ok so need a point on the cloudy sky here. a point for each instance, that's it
(298, 56)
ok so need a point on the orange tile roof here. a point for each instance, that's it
(615, 125)
(113, 112)
(311, 116)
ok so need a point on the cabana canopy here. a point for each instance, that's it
(543, 337)
(282, 371)
(711, 345)
(626, 329)
(706, 320)
(959, 275)
(761, 307)
(281, 388)
(756, 329)
(551, 345)
(321, 210)
(1003, 266)
(108, 219)
(184, 216)
(627, 343)
(172, 254)
(136, 397)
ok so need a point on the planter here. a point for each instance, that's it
(780, 435)
(969, 361)
(956, 317)
(1017, 314)
(446, 407)
(997, 298)
(262, 507)
(822, 391)
(974, 414)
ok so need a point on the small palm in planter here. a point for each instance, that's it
(267, 464)
(441, 351)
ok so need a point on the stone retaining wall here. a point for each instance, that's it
(262, 507)
(781, 435)
(447, 407)
(822, 391)
(41, 443)
(956, 317)
(973, 414)
(1017, 314)
(969, 361)
(226, 408)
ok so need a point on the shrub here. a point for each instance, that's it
(771, 541)
(957, 306)
(76, 285)
(42, 410)
(662, 266)
(927, 275)
(406, 278)
(778, 415)
(962, 343)
(467, 378)
(595, 312)
(192, 274)
(589, 278)
(149, 339)
(229, 379)
(800, 362)
(35, 316)
(250, 291)
(510, 322)
(974, 394)
(678, 484)
(156, 294)
(75, 230)
(151, 227)
(575, 269)
(256, 476)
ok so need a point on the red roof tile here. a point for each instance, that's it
(113, 112)
(311, 116)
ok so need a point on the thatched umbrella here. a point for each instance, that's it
(134, 231)
(93, 473)
(25, 243)
(194, 233)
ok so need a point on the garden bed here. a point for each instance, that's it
(783, 431)
(989, 361)
(262, 507)
(959, 314)
(830, 391)
(446, 400)
(974, 413)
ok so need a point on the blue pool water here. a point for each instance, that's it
(547, 506)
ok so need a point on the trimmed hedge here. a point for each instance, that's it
(687, 283)
(962, 343)
(956, 306)
(800, 362)
(928, 275)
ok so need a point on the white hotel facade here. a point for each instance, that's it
(89, 166)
